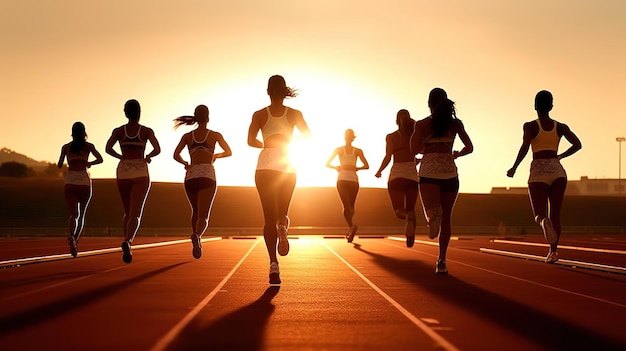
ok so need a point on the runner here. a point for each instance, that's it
(200, 181)
(133, 179)
(347, 179)
(547, 181)
(77, 188)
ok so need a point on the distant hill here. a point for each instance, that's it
(8, 155)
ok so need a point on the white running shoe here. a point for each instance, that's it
(434, 222)
(548, 231)
(274, 273)
(552, 257)
(441, 268)
(283, 243)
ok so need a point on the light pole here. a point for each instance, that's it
(619, 177)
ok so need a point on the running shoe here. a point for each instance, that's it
(441, 268)
(127, 256)
(548, 231)
(552, 257)
(197, 246)
(434, 222)
(352, 233)
(283, 243)
(71, 240)
(274, 273)
(409, 229)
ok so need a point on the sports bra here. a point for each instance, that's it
(347, 159)
(132, 143)
(76, 158)
(203, 146)
(277, 125)
(545, 139)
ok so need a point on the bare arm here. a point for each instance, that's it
(109, 146)
(301, 124)
(253, 132)
(361, 156)
(523, 150)
(387, 158)
(156, 148)
(573, 139)
(330, 159)
(96, 154)
(62, 157)
(468, 147)
(417, 139)
(224, 145)
(179, 149)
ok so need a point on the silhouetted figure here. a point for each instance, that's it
(200, 181)
(347, 179)
(548, 180)
(133, 179)
(275, 177)
(77, 188)
(403, 180)
(439, 182)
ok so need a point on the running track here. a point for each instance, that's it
(374, 294)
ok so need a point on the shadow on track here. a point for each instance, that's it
(39, 314)
(532, 324)
(243, 329)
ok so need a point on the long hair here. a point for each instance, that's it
(405, 123)
(200, 115)
(277, 88)
(443, 115)
(79, 137)
(436, 96)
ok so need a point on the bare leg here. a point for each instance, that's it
(448, 200)
(138, 194)
(557, 193)
(205, 202)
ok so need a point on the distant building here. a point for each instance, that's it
(585, 187)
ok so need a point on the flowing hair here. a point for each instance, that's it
(79, 137)
(443, 115)
(277, 87)
(201, 114)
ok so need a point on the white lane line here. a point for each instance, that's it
(518, 279)
(39, 259)
(440, 340)
(561, 247)
(563, 262)
(167, 339)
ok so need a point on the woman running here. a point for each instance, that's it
(439, 181)
(200, 181)
(347, 179)
(275, 177)
(403, 180)
(548, 180)
(77, 189)
(133, 180)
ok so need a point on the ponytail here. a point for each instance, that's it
(443, 115)
(184, 120)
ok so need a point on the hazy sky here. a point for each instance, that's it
(355, 63)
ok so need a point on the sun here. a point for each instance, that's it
(308, 156)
